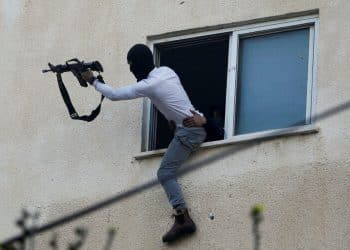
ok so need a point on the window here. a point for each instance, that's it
(248, 79)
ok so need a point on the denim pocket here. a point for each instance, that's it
(191, 137)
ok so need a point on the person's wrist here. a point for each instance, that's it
(92, 79)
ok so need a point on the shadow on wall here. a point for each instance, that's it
(28, 221)
(31, 232)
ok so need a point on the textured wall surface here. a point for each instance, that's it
(59, 165)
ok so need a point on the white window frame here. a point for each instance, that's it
(311, 21)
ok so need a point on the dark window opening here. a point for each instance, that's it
(201, 64)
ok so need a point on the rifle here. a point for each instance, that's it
(76, 67)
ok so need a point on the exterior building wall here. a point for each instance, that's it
(59, 165)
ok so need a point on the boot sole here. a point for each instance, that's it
(184, 233)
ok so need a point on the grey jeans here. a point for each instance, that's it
(185, 141)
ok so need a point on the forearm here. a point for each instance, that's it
(104, 89)
(113, 94)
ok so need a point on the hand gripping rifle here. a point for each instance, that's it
(76, 67)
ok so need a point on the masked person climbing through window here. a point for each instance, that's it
(163, 87)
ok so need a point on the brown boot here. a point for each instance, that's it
(183, 225)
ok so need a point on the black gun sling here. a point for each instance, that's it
(72, 112)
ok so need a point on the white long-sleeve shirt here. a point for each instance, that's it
(162, 86)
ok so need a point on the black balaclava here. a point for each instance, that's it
(140, 59)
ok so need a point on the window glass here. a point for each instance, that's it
(272, 81)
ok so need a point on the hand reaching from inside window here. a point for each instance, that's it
(196, 120)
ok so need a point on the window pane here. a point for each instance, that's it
(272, 81)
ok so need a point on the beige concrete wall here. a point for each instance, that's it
(59, 165)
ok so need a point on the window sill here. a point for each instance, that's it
(299, 130)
